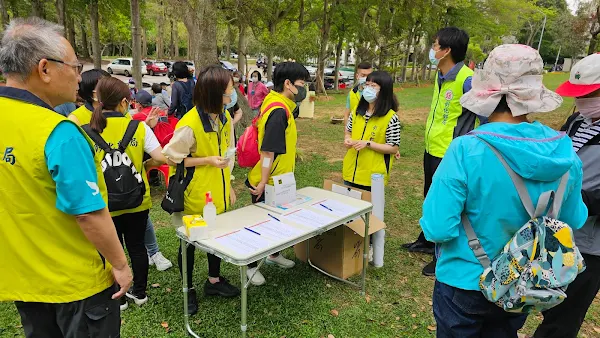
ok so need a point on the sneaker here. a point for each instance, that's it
(138, 299)
(281, 261)
(150, 261)
(221, 288)
(123, 303)
(419, 246)
(161, 262)
(429, 269)
(258, 279)
(192, 302)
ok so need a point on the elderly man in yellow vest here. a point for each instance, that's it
(61, 258)
(447, 119)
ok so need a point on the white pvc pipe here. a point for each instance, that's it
(378, 200)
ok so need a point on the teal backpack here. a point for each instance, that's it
(535, 267)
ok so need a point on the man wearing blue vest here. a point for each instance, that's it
(62, 262)
(447, 118)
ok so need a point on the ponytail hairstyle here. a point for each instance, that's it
(89, 80)
(110, 92)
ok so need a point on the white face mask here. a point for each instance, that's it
(588, 107)
(236, 79)
(255, 79)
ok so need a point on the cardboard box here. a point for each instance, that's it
(340, 251)
(282, 191)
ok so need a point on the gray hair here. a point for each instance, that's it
(28, 40)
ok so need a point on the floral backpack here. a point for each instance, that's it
(535, 267)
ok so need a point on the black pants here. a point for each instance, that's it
(97, 316)
(430, 165)
(564, 320)
(214, 264)
(131, 228)
(255, 200)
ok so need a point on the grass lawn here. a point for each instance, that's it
(298, 302)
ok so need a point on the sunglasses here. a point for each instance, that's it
(77, 66)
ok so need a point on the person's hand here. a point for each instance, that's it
(218, 162)
(152, 118)
(258, 190)
(232, 196)
(397, 156)
(360, 145)
(349, 143)
(123, 277)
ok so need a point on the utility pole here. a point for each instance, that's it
(543, 28)
(557, 56)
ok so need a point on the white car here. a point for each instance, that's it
(123, 66)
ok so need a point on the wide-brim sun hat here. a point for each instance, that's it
(514, 71)
(584, 78)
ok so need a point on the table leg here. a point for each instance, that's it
(365, 255)
(184, 274)
(244, 290)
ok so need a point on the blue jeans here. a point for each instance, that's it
(150, 239)
(467, 314)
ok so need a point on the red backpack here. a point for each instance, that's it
(164, 129)
(247, 147)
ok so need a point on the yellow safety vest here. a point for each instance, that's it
(207, 178)
(84, 114)
(359, 165)
(45, 255)
(113, 133)
(354, 96)
(284, 163)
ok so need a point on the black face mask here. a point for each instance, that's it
(301, 94)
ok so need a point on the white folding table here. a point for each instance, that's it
(238, 219)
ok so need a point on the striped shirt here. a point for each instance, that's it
(586, 131)
(392, 133)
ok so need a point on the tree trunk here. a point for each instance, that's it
(242, 46)
(347, 56)
(228, 42)
(4, 14)
(246, 113)
(137, 43)
(301, 16)
(144, 42)
(176, 40)
(160, 47)
(415, 63)
(37, 8)
(61, 12)
(338, 56)
(190, 47)
(407, 55)
(325, 30)
(95, 34)
(71, 32)
(270, 55)
(206, 53)
(424, 64)
(172, 41)
(84, 41)
(592, 46)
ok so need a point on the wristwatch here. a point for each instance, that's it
(369, 144)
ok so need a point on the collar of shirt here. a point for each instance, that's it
(23, 95)
(206, 121)
(451, 75)
(280, 97)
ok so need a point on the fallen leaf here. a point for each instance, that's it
(597, 329)
(334, 312)
(20, 326)
(371, 320)
(430, 303)
(413, 315)
(414, 327)
(155, 285)
(431, 328)
(330, 336)
(169, 290)
(368, 298)
(328, 285)
(122, 322)
(197, 321)
(305, 321)
(397, 318)
(164, 324)
(382, 323)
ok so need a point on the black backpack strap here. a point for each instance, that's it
(131, 129)
(96, 138)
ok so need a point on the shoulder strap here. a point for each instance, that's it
(131, 129)
(96, 138)
(276, 105)
(474, 243)
(517, 181)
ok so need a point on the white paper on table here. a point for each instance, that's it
(276, 231)
(243, 242)
(335, 208)
(346, 191)
(308, 218)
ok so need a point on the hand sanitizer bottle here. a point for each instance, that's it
(209, 213)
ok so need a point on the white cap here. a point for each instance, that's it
(584, 79)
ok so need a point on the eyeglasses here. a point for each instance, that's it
(77, 66)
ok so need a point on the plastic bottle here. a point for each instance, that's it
(209, 213)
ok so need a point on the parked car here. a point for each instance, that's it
(227, 65)
(233, 55)
(154, 67)
(312, 71)
(123, 66)
(191, 66)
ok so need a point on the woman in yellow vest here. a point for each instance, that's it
(87, 91)
(109, 121)
(201, 139)
(372, 133)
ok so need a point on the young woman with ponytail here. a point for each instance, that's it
(109, 121)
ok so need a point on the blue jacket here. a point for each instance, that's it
(471, 179)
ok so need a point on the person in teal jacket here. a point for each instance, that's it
(471, 180)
